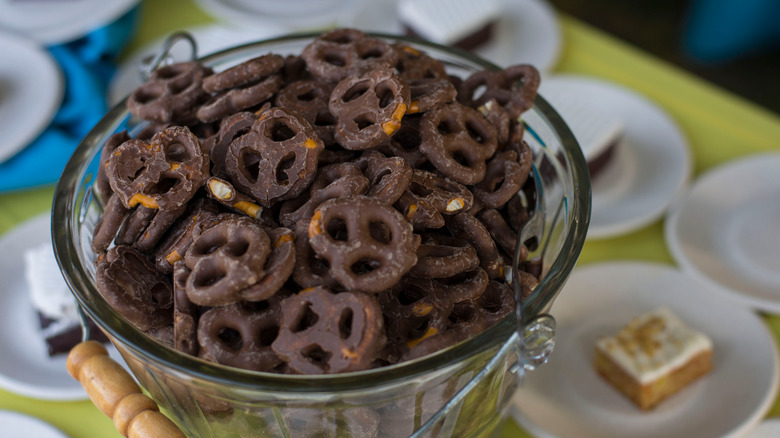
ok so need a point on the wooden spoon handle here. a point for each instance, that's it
(114, 392)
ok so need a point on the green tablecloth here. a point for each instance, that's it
(718, 125)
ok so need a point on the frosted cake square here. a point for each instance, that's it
(653, 357)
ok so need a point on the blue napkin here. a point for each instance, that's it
(722, 30)
(87, 65)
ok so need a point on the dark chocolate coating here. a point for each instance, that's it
(134, 288)
(226, 259)
(346, 52)
(377, 249)
(241, 335)
(457, 140)
(368, 108)
(324, 333)
(172, 93)
(276, 159)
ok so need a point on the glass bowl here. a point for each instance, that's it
(461, 391)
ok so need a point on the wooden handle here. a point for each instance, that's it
(114, 392)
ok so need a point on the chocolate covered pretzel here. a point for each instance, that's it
(442, 256)
(276, 159)
(416, 64)
(278, 267)
(333, 181)
(102, 183)
(132, 286)
(428, 93)
(230, 128)
(514, 88)
(241, 335)
(171, 94)
(428, 197)
(367, 244)
(202, 213)
(185, 313)
(346, 52)
(503, 179)
(325, 333)
(457, 140)
(388, 176)
(163, 173)
(309, 99)
(226, 259)
(310, 269)
(469, 228)
(368, 108)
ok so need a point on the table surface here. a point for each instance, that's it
(718, 125)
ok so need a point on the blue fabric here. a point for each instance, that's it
(87, 65)
(721, 30)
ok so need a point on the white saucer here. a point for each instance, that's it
(726, 230)
(53, 22)
(767, 429)
(528, 31)
(25, 365)
(16, 424)
(649, 167)
(567, 398)
(31, 88)
(298, 15)
(209, 38)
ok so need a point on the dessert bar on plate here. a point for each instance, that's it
(653, 357)
(467, 24)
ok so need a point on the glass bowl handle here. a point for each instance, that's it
(116, 394)
(531, 347)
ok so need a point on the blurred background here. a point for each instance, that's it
(732, 43)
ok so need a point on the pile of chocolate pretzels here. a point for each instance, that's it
(347, 208)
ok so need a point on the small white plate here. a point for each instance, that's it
(209, 38)
(15, 425)
(53, 22)
(31, 88)
(527, 32)
(649, 167)
(25, 365)
(726, 230)
(298, 15)
(767, 429)
(567, 398)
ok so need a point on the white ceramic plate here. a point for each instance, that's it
(25, 365)
(767, 429)
(567, 398)
(15, 425)
(298, 15)
(31, 88)
(650, 165)
(528, 31)
(726, 230)
(210, 38)
(53, 22)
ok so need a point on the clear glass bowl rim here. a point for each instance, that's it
(148, 350)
